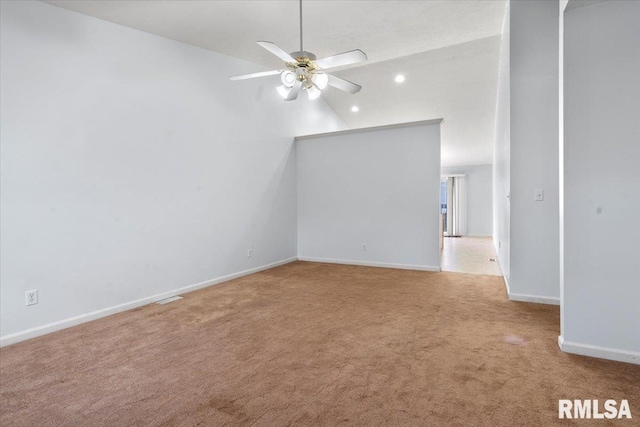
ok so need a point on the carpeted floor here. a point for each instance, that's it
(313, 344)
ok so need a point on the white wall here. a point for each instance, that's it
(534, 225)
(479, 197)
(377, 186)
(501, 156)
(601, 293)
(132, 166)
(562, 6)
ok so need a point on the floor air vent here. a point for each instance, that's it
(168, 300)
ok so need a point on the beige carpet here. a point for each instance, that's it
(313, 344)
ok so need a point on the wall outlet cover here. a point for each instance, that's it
(32, 297)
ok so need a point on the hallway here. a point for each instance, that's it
(470, 255)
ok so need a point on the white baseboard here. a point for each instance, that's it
(506, 284)
(83, 318)
(533, 298)
(506, 280)
(599, 352)
(371, 264)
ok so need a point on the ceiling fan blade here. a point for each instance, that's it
(346, 58)
(293, 93)
(254, 75)
(343, 84)
(277, 51)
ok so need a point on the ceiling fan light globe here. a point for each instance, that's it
(313, 92)
(320, 80)
(283, 91)
(287, 78)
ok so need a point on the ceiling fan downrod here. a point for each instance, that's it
(301, 49)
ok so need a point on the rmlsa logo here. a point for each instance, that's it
(589, 409)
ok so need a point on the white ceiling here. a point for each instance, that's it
(457, 83)
(449, 51)
(576, 4)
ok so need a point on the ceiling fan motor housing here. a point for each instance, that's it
(304, 55)
(302, 69)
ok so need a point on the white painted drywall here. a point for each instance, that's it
(601, 301)
(534, 235)
(378, 187)
(501, 156)
(132, 166)
(478, 183)
(562, 6)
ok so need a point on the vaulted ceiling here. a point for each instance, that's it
(448, 52)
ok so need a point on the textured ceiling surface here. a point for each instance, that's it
(448, 50)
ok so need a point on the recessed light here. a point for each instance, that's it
(355, 109)
(399, 78)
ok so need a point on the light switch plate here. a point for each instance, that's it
(539, 196)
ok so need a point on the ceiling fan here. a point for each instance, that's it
(305, 72)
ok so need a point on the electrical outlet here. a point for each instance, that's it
(248, 253)
(364, 247)
(32, 297)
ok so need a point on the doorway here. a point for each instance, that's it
(460, 252)
(453, 205)
(465, 254)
